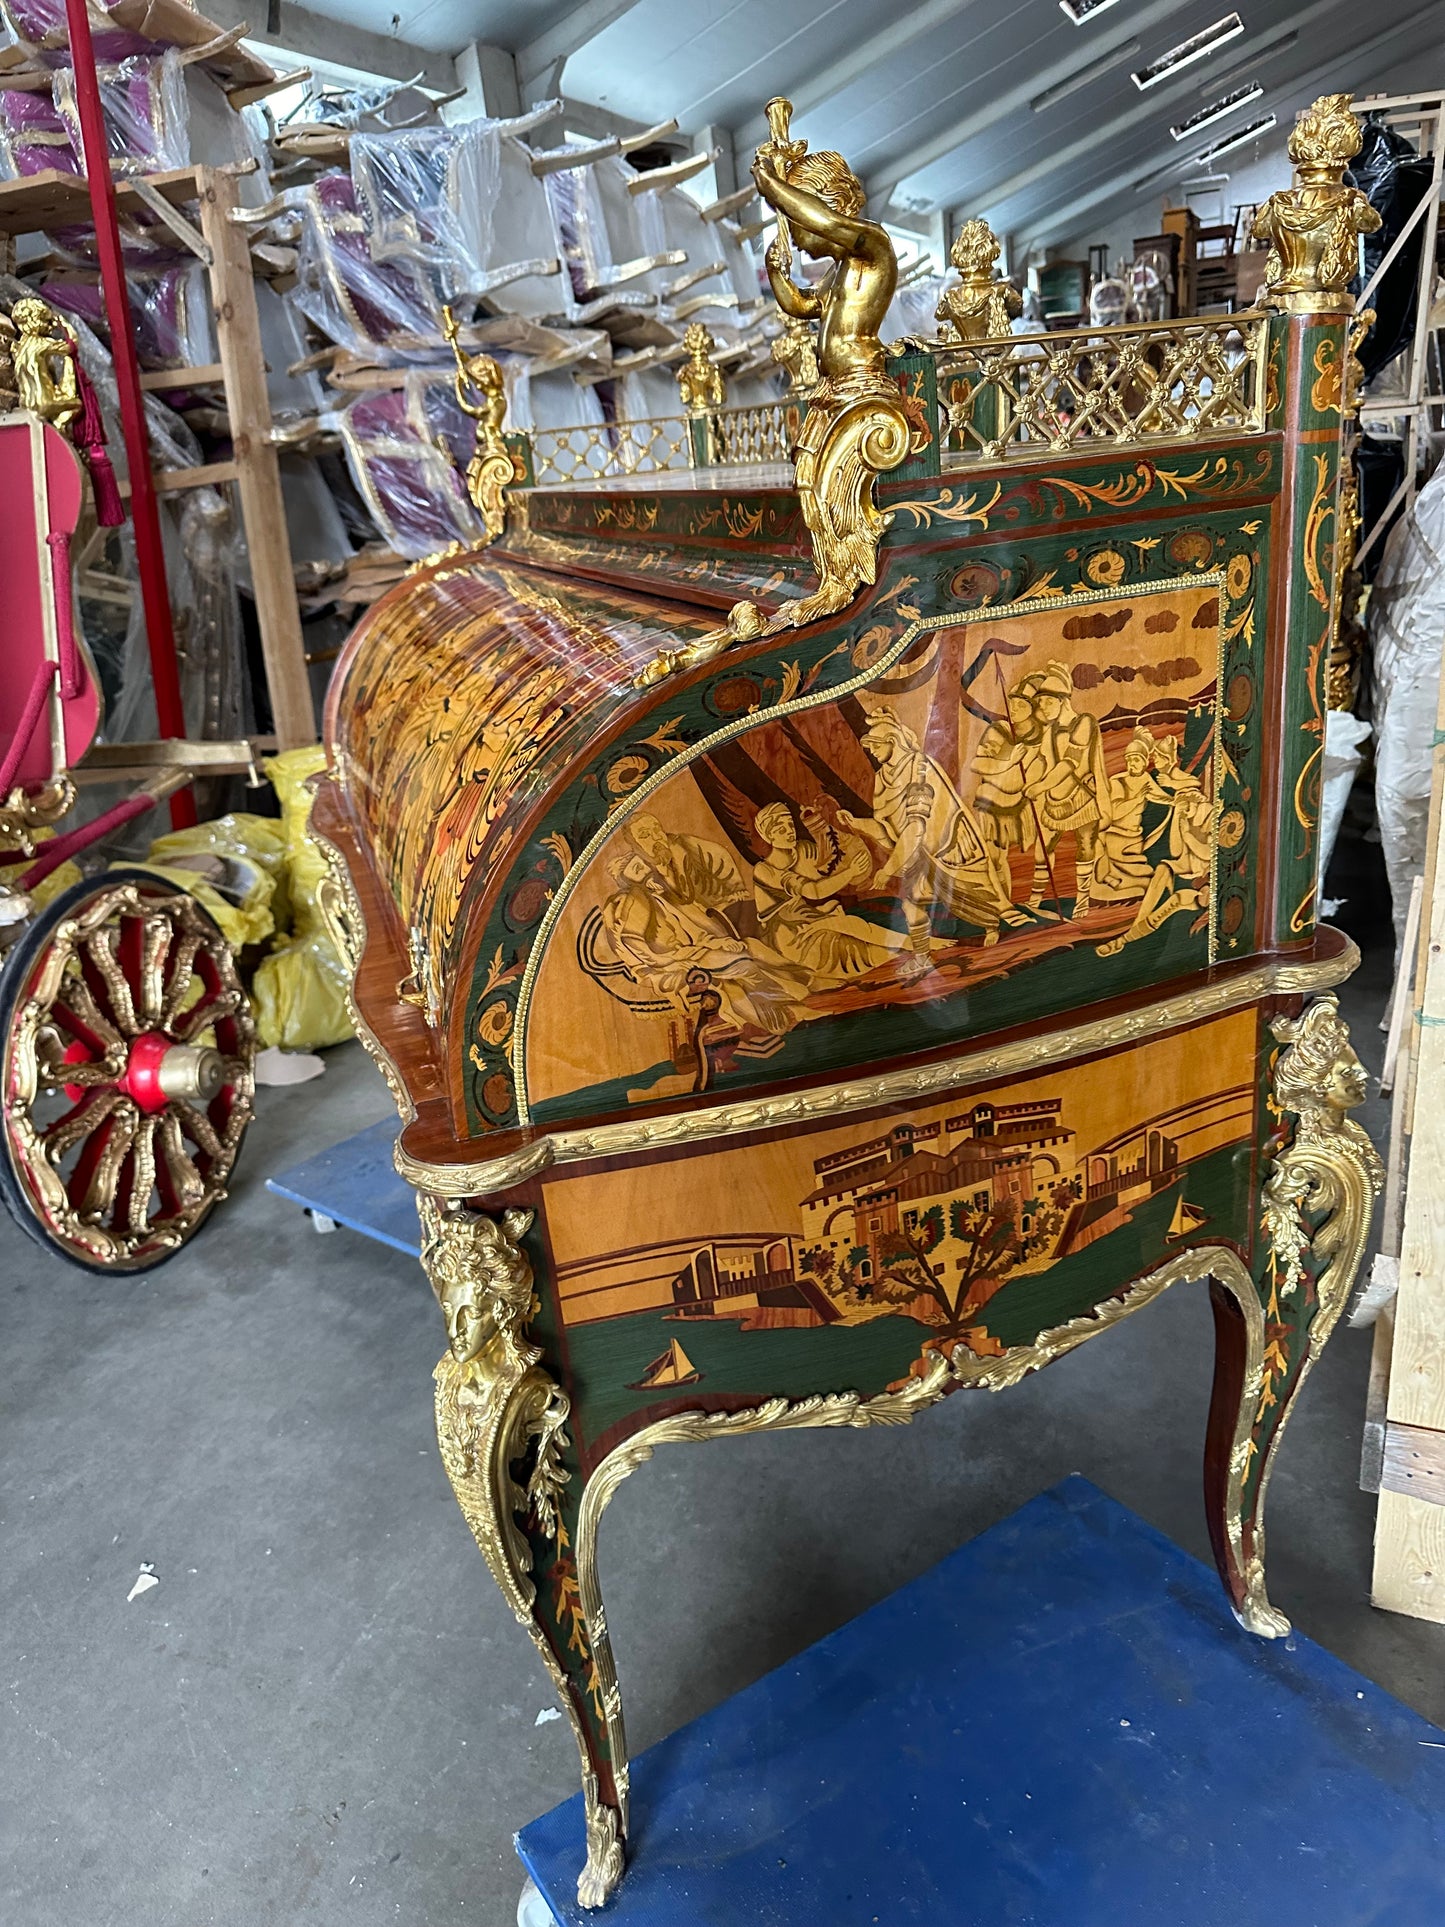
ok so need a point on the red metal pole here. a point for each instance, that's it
(149, 552)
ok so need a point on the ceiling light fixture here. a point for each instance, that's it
(1195, 48)
(1095, 68)
(1252, 132)
(1251, 61)
(1226, 104)
(1081, 11)
(1176, 166)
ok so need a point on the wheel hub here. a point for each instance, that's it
(159, 1071)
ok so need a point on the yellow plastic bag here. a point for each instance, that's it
(235, 868)
(299, 995)
(299, 991)
(290, 775)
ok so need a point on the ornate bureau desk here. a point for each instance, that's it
(833, 896)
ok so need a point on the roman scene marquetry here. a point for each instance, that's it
(1005, 788)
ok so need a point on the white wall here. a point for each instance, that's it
(1254, 174)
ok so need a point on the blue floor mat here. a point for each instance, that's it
(1061, 1725)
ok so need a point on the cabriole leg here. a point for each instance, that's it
(1316, 1206)
(501, 1422)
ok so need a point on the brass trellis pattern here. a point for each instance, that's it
(599, 451)
(1157, 382)
(761, 433)
(1039, 394)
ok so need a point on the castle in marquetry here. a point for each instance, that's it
(927, 1218)
(993, 1160)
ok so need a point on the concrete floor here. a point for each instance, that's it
(323, 1712)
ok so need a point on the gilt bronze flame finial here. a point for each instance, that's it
(699, 380)
(981, 306)
(1313, 227)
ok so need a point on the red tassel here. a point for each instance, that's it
(109, 508)
(89, 433)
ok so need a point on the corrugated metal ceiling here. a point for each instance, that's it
(930, 101)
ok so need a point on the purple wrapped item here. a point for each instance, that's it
(42, 25)
(168, 308)
(147, 123)
(33, 137)
(365, 305)
(416, 496)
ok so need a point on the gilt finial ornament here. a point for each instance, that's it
(980, 306)
(855, 427)
(481, 393)
(1313, 228)
(699, 380)
(42, 355)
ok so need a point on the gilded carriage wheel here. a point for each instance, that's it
(128, 1054)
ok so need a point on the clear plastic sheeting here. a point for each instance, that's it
(412, 186)
(669, 220)
(913, 309)
(170, 309)
(41, 25)
(33, 137)
(521, 250)
(218, 135)
(556, 399)
(589, 206)
(1406, 621)
(414, 490)
(370, 307)
(283, 345)
(645, 393)
(1345, 738)
(143, 98)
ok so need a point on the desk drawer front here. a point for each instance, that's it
(826, 1259)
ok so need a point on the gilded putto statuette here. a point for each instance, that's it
(481, 393)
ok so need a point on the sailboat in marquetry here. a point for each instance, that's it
(1187, 1218)
(672, 1367)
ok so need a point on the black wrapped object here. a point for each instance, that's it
(1394, 179)
(1379, 470)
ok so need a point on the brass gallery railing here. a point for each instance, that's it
(987, 402)
(598, 452)
(1159, 381)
